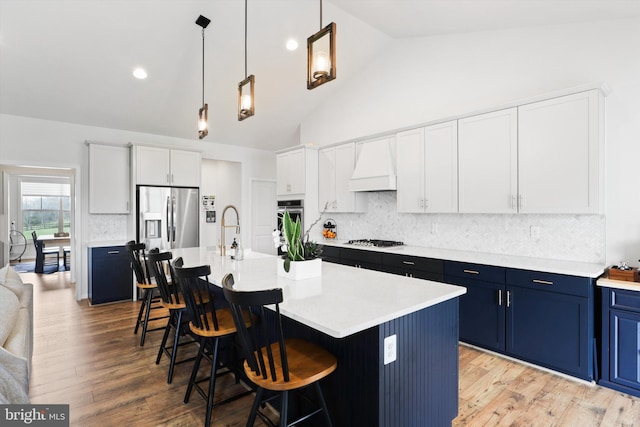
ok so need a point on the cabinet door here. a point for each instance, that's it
(482, 314)
(558, 155)
(327, 179)
(152, 166)
(109, 179)
(110, 275)
(549, 329)
(624, 347)
(441, 167)
(290, 173)
(185, 168)
(487, 154)
(410, 152)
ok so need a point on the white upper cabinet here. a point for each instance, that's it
(162, 166)
(488, 162)
(185, 168)
(559, 168)
(427, 169)
(109, 179)
(335, 168)
(291, 173)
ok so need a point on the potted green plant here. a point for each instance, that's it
(301, 259)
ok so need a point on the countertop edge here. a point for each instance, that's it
(572, 268)
(605, 282)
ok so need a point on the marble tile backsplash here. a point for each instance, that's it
(107, 228)
(563, 237)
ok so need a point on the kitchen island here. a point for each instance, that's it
(350, 312)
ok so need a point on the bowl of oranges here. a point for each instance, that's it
(329, 230)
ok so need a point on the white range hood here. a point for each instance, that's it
(375, 166)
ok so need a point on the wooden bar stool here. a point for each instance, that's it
(211, 324)
(172, 300)
(276, 364)
(143, 282)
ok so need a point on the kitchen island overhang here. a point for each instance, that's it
(350, 312)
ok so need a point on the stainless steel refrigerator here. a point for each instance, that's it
(167, 217)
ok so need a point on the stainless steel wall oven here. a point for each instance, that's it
(295, 209)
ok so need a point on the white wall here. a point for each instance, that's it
(34, 142)
(424, 79)
(224, 180)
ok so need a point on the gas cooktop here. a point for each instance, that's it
(375, 242)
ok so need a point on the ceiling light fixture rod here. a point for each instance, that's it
(203, 66)
(245, 39)
(320, 14)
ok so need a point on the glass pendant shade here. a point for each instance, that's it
(203, 121)
(321, 56)
(246, 105)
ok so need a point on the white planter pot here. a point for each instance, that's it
(300, 270)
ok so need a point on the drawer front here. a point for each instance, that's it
(464, 270)
(109, 251)
(413, 263)
(361, 256)
(551, 282)
(625, 300)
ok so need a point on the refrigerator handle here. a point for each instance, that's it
(173, 219)
(168, 223)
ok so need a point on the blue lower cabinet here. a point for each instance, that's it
(542, 318)
(620, 344)
(550, 330)
(482, 308)
(110, 275)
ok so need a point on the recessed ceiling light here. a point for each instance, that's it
(292, 44)
(140, 73)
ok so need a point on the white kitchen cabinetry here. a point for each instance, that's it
(291, 172)
(335, 168)
(488, 162)
(427, 165)
(559, 155)
(109, 179)
(162, 166)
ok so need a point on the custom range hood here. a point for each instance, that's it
(375, 166)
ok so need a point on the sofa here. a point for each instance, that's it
(16, 336)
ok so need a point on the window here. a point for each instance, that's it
(45, 207)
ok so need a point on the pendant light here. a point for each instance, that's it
(203, 112)
(321, 55)
(246, 104)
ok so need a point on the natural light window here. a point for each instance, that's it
(45, 207)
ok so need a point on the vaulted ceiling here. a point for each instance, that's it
(72, 60)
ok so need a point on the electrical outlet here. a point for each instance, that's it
(389, 349)
(535, 232)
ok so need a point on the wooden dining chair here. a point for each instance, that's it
(150, 300)
(273, 362)
(160, 270)
(212, 324)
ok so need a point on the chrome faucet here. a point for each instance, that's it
(223, 249)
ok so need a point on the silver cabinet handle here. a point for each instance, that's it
(408, 262)
(500, 297)
(113, 252)
(542, 282)
(508, 299)
(471, 271)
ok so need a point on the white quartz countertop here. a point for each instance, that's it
(344, 301)
(105, 243)
(618, 284)
(574, 268)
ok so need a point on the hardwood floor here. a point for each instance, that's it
(87, 356)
